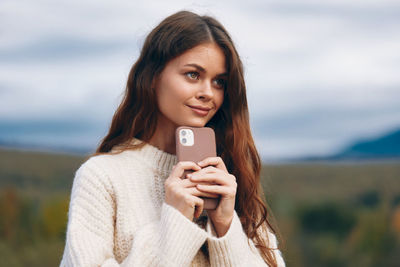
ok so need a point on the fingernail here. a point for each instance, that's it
(188, 175)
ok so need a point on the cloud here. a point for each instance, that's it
(312, 68)
(321, 130)
(62, 48)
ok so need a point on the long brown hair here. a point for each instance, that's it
(137, 114)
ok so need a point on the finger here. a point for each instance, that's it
(213, 178)
(208, 169)
(199, 207)
(195, 192)
(187, 183)
(182, 166)
(224, 191)
(214, 161)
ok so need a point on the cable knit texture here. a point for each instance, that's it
(117, 217)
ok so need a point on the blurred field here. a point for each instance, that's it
(328, 214)
(337, 214)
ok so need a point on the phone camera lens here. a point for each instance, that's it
(183, 133)
(184, 140)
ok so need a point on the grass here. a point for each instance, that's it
(329, 214)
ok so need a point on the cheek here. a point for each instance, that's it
(163, 99)
(174, 89)
(170, 98)
(166, 102)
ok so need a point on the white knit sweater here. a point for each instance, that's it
(118, 217)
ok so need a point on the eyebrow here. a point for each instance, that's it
(200, 68)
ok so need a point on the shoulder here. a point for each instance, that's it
(273, 241)
(274, 245)
(96, 166)
(112, 167)
(265, 231)
(109, 163)
(101, 161)
(97, 171)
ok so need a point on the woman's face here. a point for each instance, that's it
(190, 89)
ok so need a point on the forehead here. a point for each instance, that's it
(210, 56)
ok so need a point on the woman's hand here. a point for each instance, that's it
(214, 178)
(182, 194)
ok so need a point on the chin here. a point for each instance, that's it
(196, 123)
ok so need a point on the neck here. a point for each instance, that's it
(164, 138)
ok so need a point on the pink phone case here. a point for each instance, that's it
(203, 147)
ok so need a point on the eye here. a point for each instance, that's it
(221, 83)
(192, 75)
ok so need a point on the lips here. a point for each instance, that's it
(200, 108)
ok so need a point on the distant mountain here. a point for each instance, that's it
(383, 147)
(51, 135)
(387, 146)
(45, 148)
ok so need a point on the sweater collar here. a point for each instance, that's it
(157, 158)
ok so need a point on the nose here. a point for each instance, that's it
(205, 91)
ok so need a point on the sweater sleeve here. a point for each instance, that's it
(236, 249)
(172, 241)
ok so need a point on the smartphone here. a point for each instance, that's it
(196, 144)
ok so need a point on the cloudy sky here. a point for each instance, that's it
(320, 74)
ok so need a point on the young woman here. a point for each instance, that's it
(130, 205)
